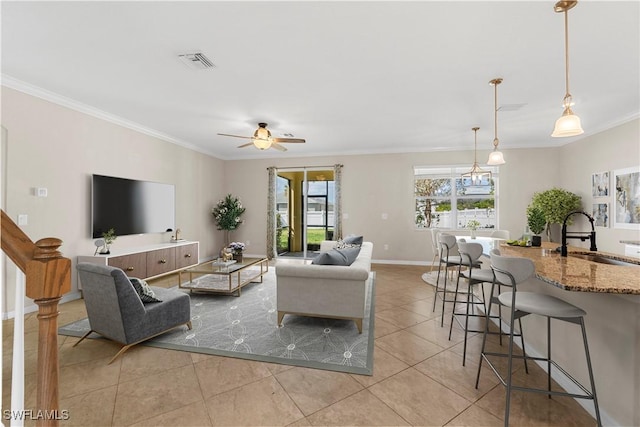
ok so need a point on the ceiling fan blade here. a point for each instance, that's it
(278, 146)
(235, 136)
(288, 140)
(245, 145)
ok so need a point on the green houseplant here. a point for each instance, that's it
(109, 237)
(556, 204)
(227, 214)
(536, 222)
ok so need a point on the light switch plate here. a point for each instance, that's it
(23, 219)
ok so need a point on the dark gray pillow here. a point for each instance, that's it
(344, 257)
(143, 290)
(353, 240)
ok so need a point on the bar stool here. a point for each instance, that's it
(470, 259)
(448, 247)
(511, 271)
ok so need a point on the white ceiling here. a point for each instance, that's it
(350, 77)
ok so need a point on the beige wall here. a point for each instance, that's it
(617, 148)
(59, 148)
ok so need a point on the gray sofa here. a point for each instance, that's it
(325, 290)
(115, 310)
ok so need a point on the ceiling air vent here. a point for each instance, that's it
(511, 107)
(197, 61)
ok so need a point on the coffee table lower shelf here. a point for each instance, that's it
(224, 279)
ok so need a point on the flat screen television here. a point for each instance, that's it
(130, 206)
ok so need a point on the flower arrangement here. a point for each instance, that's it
(236, 247)
(473, 224)
(228, 212)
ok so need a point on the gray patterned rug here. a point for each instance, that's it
(245, 327)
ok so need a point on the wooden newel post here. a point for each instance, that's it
(48, 277)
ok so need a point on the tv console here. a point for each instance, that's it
(150, 261)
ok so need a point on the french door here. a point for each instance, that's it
(305, 202)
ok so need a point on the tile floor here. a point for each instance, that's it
(418, 378)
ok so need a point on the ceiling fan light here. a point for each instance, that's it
(261, 144)
(496, 158)
(567, 125)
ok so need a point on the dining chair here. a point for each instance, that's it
(473, 275)
(501, 234)
(449, 257)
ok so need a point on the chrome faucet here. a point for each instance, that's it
(578, 235)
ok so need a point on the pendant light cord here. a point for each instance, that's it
(566, 51)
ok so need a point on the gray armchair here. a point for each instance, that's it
(116, 312)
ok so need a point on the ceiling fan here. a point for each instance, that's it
(263, 140)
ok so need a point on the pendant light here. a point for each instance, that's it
(495, 157)
(476, 174)
(568, 124)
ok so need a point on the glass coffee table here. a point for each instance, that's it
(224, 277)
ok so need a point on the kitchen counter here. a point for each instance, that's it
(575, 274)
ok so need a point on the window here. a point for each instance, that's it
(443, 199)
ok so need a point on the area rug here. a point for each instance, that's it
(431, 278)
(246, 327)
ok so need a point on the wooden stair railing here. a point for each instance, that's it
(48, 277)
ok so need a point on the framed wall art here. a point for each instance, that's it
(627, 198)
(600, 184)
(600, 213)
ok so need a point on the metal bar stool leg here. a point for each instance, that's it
(435, 296)
(593, 384)
(455, 302)
(548, 355)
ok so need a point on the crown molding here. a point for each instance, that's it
(72, 104)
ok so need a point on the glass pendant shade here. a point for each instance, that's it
(567, 125)
(496, 158)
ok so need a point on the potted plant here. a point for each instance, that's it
(473, 225)
(536, 222)
(237, 248)
(227, 214)
(109, 237)
(556, 204)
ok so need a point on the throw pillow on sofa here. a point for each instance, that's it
(143, 290)
(343, 257)
(350, 242)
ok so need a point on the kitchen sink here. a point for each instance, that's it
(602, 259)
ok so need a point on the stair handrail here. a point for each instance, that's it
(48, 277)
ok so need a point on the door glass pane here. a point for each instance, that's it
(283, 243)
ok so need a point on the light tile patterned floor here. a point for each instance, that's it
(418, 378)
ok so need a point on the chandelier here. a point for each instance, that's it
(476, 174)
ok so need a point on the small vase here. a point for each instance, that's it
(473, 234)
(238, 257)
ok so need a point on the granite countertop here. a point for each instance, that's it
(575, 274)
